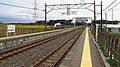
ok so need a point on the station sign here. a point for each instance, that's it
(10, 28)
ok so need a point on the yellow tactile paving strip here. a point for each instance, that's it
(86, 56)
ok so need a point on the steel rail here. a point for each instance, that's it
(15, 51)
(64, 47)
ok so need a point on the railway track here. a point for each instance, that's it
(40, 53)
(54, 57)
(11, 52)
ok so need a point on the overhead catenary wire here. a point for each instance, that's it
(113, 7)
(64, 1)
(109, 5)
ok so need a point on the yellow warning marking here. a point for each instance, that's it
(86, 56)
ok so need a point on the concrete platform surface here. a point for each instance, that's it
(75, 55)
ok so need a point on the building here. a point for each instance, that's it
(113, 28)
(81, 20)
(110, 26)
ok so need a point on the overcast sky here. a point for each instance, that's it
(56, 14)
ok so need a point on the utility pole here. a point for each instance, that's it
(94, 11)
(112, 16)
(35, 8)
(101, 17)
(68, 10)
(106, 21)
(45, 17)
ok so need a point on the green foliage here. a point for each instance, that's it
(112, 62)
(101, 46)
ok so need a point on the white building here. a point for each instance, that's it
(114, 28)
(82, 19)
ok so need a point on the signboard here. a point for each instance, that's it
(10, 28)
(73, 21)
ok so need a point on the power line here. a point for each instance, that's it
(64, 1)
(82, 0)
(19, 6)
(28, 2)
(109, 5)
(15, 6)
(113, 6)
(31, 1)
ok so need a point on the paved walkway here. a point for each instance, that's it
(84, 53)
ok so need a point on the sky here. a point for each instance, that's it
(8, 11)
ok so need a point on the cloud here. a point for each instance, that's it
(26, 13)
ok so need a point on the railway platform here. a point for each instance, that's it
(73, 47)
(84, 53)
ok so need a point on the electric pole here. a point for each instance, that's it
(101, 17)
(35, 9)
(112, 16)
(94, 11)
(106, 21)
(45, 17)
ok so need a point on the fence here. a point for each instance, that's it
(25, 30)
(20, 31)
(110, 45)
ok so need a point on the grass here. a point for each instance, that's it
(115, 35)
(2, 25)
(112, 62)
(101, 46)
(35, 27)
(24, 29)
(31, 26)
